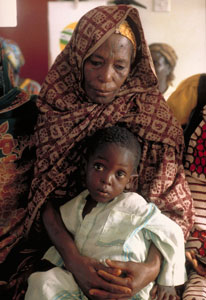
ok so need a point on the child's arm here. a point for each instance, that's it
(162, 292)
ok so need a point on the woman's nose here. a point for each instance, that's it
(106, 74)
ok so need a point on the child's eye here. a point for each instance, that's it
(98, 167)
(121, 174)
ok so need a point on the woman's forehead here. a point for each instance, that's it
(116, 45)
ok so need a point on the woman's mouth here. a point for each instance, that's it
(101, 93)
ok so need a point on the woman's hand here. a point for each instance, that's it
(86, 272)
(96, 280)
(133, 275)
(198, 266)
(83, 268)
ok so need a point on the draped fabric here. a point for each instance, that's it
(67, 116)
(15, 168)
(184, 99)
(195, 168)
(17, 118)
(188, 103)
(195, 288)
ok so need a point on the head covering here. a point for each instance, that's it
(67, 117)
(167, 51)
(13, 53)
(170, 55)
(184, 99)
(125, 30)
(16, 60)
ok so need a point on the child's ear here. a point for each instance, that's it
(132, 183)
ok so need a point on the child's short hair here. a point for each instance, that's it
(115, 135)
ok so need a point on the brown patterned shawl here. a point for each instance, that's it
(67, 116)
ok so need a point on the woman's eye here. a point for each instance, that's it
(119, 67)
(95, 63)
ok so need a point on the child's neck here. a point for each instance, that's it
(90, 203)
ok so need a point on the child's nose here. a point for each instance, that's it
(107, 178)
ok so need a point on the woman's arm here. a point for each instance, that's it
(83, 268)
(138, 275)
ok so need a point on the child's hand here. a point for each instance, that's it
(162, 292)
(199, 268)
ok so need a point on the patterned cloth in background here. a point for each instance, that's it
(17, 118)
(195, 168)
(190, 99)
(122, 230)
(68, 116)
(16, 58)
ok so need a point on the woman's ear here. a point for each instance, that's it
(132, 184)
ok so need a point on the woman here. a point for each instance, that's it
(104, 76)
(17, 118)
(164, 59)
(16, 59)
(188, 103)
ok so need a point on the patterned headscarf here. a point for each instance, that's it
(67, 117)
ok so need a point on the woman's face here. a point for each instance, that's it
(162, 69)
(107, 68)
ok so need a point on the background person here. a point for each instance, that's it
(109, 223)
(18, 114)
(16, 58)
(164, 59)
(188, 103)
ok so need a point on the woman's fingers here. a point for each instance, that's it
(117, 280)
(191, 257)
(109, 295)
(116, 264)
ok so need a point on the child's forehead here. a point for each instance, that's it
(112, 149)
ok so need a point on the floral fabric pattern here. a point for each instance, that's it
(195, 166)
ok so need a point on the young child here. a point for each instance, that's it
(109, 223)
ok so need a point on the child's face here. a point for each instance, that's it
(108, 172)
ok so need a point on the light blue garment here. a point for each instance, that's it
(119, 230)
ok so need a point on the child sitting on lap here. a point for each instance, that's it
(109, 223)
